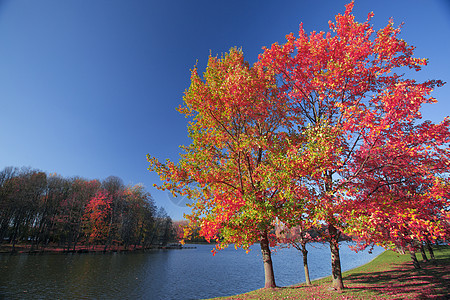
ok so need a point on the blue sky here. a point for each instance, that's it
(88, 88)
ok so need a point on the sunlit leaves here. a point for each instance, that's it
(320, 129)
(238, 132)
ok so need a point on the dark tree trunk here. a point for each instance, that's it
(422, 252)
(69, 241)
(269, 276)
(415, 262)
(430, 250)
(336, 273)
(14, 236)
(305, 264)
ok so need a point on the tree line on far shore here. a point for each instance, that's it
(47, 210)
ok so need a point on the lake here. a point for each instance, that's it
(160, 274)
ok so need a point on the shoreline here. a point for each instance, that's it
(324, 277)
(382, 277)
(97, 249)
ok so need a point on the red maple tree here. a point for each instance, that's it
(344, 82)
(96, 217)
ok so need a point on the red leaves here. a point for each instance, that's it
(320, 127)
(96, 216)
(378, 150)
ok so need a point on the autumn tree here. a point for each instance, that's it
(147, 221)
(6, 200)
(115, 188)
(421, 204)
(164, 230)
(57, 190)
(298, 237)
(138, 215)
(96, 217)
(179, 227)
(238, 126)
(41, 209)
(71, 210)
(25, 191)
(194, 236)
(345, 82)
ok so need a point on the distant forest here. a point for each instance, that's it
(46, 211)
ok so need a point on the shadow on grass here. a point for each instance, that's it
(432, 281)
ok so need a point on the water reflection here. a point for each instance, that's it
(162, 274)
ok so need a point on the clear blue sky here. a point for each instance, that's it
(88, 88)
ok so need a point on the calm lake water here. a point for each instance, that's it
(159, 274)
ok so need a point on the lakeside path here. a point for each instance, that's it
(388, 276)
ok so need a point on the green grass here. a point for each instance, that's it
(389, 276)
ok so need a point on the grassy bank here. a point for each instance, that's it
(389, 276)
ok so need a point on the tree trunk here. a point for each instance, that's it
(415, 262)
(69, 241)
(430, 250)
(305, 264)
(422, 252)
(336, 273)
(269, 276)
(13, 238)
